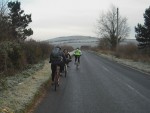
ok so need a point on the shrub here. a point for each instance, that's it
(10, 54)
(127, 51)
(17, 56)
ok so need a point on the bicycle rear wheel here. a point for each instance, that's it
(65, 69)
(77, 65)
(55, 83)
(55, 86)
(56, 78)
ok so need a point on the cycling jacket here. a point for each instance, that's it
(77, 52)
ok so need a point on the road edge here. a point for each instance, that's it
(121, 63)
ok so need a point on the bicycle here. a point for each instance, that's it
(56, 78)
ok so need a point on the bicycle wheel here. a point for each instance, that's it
(55, 86)
(77, 65)
(55, 82)
(56, 78)
(65, 69)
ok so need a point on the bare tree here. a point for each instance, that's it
(107, 27)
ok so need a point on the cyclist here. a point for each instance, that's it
(56, 59)
(68, 57)
(77, 54)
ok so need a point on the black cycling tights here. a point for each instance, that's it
(77, 57)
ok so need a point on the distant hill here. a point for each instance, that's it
(78, 41)
(75, 41)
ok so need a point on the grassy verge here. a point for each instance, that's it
(20, 97)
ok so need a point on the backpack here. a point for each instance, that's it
(56, 55)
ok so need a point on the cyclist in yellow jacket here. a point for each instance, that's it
(77, 54)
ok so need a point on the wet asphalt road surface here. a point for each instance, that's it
(99, 86)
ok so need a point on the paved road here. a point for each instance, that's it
(99, 86)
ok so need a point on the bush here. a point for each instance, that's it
(128, 51)
(17, 56)
(10, 54)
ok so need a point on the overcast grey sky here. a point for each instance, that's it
(54, 18)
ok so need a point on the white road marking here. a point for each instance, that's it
(134, 90)
(147, 99)
(105, 68)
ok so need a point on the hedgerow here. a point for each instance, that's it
(15, 56)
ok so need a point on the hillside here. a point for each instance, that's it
(78, 41)
(75, 41)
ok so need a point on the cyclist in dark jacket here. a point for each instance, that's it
(57, 62)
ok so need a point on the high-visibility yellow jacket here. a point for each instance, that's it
(77, 52)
